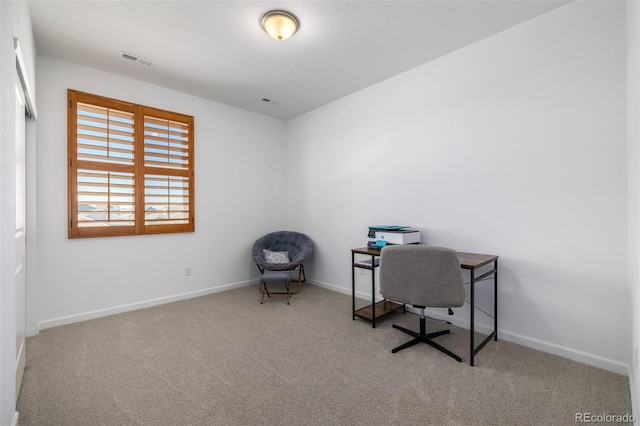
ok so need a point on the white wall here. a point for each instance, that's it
(512, 146)
(238, 155)
(633, 163)
(14, 21)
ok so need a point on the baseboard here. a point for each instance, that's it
(530, 342)
(359, 294)
(15, 422)
(21, 362)
(542, 345)
(634, 408)
(138, 305)
(566, 352)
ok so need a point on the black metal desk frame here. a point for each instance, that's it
(375, 310)
(473, 261)
(468, 261)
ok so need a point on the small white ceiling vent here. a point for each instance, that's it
(136, 58)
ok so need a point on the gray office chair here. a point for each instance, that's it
(422, 276)
(276, 255)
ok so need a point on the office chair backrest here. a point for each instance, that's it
(421, 275)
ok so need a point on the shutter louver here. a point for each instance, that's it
(105, 198)
(166, 144)
(166, 200)
(105, 135)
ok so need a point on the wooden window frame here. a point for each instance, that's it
(173, 170)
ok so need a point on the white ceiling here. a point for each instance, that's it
(217, 49)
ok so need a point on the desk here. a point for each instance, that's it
(468, 261)
(375, 310)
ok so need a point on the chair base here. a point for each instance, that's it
(423, 337)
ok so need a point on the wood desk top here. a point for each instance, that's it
(366, 250)
(467, 260)
(475, 260)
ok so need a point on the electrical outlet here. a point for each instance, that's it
(187, 271)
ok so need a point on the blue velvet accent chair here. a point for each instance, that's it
(278, 255)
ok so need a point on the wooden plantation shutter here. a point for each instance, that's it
(168, 160)
(130, 168)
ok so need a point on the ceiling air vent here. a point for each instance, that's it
(136, 58)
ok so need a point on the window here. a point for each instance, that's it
(130, 168)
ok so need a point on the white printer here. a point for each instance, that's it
(381, 235)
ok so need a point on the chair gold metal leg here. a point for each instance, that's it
(300, 280)
(288, 291)
(263, 287)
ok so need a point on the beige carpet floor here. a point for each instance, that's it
(224, 359)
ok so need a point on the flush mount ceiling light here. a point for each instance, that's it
(280, 24)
